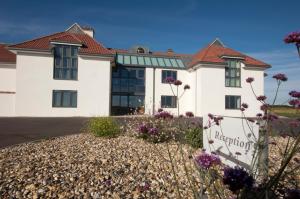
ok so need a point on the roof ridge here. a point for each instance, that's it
(35, 39)
(67, 34)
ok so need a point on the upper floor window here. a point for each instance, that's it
(168, 101)
(140, 50)
(168, 73)
(232, 102)
(65, 62)
(233, 74)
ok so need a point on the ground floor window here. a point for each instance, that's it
(64, 98)
(168, 101)
(232, 102)
(126, 104)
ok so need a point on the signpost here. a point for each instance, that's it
(234, 139)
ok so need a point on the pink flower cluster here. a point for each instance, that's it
(163, 115)
(280, 77)
(294, 94)
(261, 98)
(205, 160)
(293, 37)
(189, 114)
(249, 79)
(296, 101)
(145, 129)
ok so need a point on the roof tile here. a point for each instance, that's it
(6, 55)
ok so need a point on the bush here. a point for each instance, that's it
(103, 127)
(193, 137)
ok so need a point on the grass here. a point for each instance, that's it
(286, 111)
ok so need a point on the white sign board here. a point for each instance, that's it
(233, 139)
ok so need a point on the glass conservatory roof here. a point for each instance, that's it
(150, 61)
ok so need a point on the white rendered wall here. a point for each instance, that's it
(7, 89)
(213, 90)
(186, 103)
(35, 84)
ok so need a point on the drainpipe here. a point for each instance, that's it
(153, 94)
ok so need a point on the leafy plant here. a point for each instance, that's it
(194, 137)
(103, 127)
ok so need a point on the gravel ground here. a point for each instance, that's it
(83, 166)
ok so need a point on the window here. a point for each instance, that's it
(233, 74)
(232, 102)
(63, 98)
(140, 50)
(168, 102)
(168, 73)
(65, 62)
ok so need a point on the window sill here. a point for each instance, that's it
(233, 86)
(63, 107)
(66, 79)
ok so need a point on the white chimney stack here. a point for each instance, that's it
(88, 30)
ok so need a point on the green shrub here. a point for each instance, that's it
(194, 137)
(103, 127)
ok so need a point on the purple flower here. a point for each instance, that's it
(280, 77)
(170, 80)
(237, 178)
(293, 194)
(160, 110)
(242, 109)
(294, 102)
(177, 82)
(181, 116)
(294, 94)
(205, 160)
(153, 131)
(293, 37)
(249, 79)
(264, 107)
(244, 105)
(189, 114)
(211, 116)
(163, 115)
(258, 115)
(186, 87)
(261, 98)
(294, 124)
(143, 128)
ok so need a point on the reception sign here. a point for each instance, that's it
(233, 139)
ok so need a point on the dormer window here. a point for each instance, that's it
(233, 73)
(140, 50)
(65, 62)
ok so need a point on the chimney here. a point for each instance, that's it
(88, 30)
(170, 51)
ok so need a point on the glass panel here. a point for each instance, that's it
(124, 72)
(115, 85)
(132, 73)
(74, 74)
(124, 101)
(57, 62)
(133, 102)
(57, 52)
(134, 60)
(168, 63)
(174, 63)
(141, 61)
(74, 63)
(126, 59)
(124, 85)
(74, 99)
(115, 72)
(154, 61)
(120, 59)
(238, 102)
(56, 98)
(161, 62)
(147, 61)
(227, 82)
(238, 82)
(141, 73)
(131, 85)
(74, 51)
(66, 99)
(65, 62)
(115, 100)
(180, 63)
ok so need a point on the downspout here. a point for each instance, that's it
(153, 94)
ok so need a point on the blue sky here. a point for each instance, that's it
(254, 27)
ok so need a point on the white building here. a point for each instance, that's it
(70, 74)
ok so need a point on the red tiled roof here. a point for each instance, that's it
(90, 46)
(214, 52)
(6, 55)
